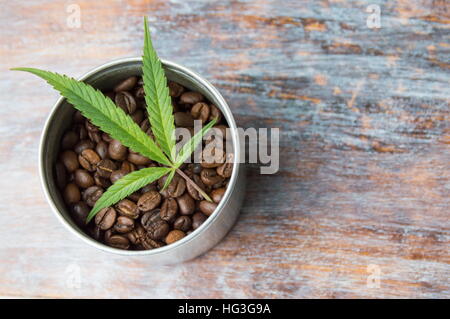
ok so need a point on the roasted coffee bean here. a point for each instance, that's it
(183, 119)
(149, 243)
(186, 204)
(106, 218)
(149, 201)
(225, 170)
(116, 175)
(71, 193)
(83, 145)
(126, 84)
(105, 167)
(183, 223)
(95, 232)
(207, 208)
(216, 134)
(61, 175)
(90, 127)
(174, 236)
(148, 188)
(215, 113)
(176, 187)
(200, 111)
(198, 219)
(92, 194)
(69, 140)
(139, 93)
(212, 157)
(138, 116)
(138, 159)
(117, 151)
(126, 102)
(145, 125)
(83, 179)
(128, 208)
(88, 159)
(102, 149)
(70, 161)
(103, 182)
(118, 241)
(192, 190)
(81, 132)
(209, 177)
(156, 227)
(191, 98)
(137, 235)
(80, 212)
(124, 224)
(169, 209)
(135, 196)
(175, 89)
(127, 167)
(95, 136)
(106, 138)
(217, 194)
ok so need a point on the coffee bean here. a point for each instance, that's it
(186, 204)
(80, 212)
(200, 111)
(169, 209)
(176, 187)
(106, 138)
(215, 114)
(102, 149)
(127, 208)
(148, 188)
(126, 102)
(149, 243)
(92, 194)
(61, 175)
(183, 223)
(183, 119)
(209, 177)
(70, 161)
(207, 208)
(145, 125)
(116, 175)
(118, 241)
(127, 167)
(191, 189)
(138, 159)
(70, 138)
(88, 159)
(124, 224)
(191, 98)
(95, 136)
(138, 116)
(71, 193)
(137, 235)
(117, 151)
(156, 228)
(83, 145)
(135, 196)
(105, 168)
(225, 169)
(81, 132)
(139, 93)
(106, 218)
(212, 157)
(175, 89)
(149, 201)
(126, 84)
(95, 232)
(103, 182)
(174, 236)
(217, 194)
(198, 219)
(83, 179)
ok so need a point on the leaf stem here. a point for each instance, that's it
(190, 181)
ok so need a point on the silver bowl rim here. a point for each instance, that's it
(209, 221)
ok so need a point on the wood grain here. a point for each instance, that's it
(365, 143)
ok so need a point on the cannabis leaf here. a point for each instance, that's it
(127, 185)
(102, 112)
(157, 98)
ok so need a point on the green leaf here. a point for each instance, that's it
(157, 98)
(126, 186)
(103, 113)
(192, 144)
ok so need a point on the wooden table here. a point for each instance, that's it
(360, 206)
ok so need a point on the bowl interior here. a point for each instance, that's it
(104, 78)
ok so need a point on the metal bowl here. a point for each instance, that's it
(212, 230)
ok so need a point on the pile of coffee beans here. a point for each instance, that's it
(90, 161)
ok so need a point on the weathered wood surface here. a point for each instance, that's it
(365, 144)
